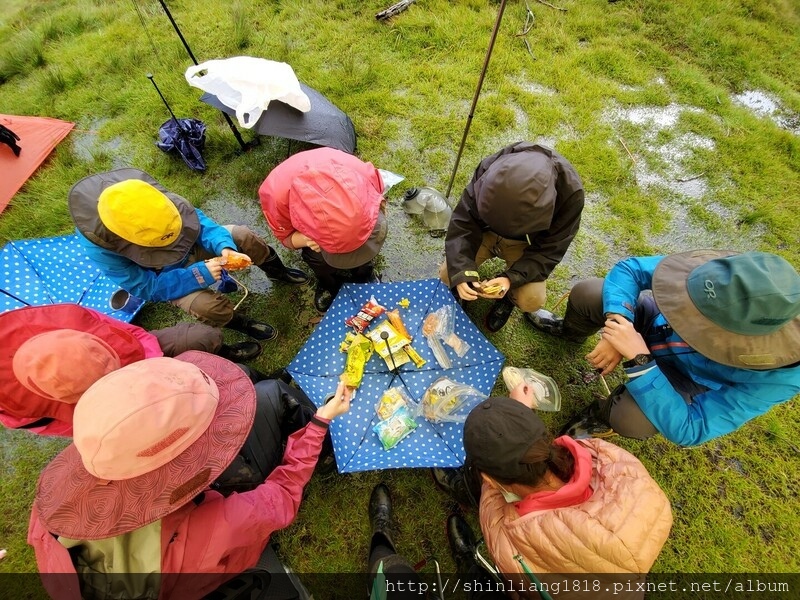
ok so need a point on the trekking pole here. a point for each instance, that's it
(172, 114)
(245, 146)
(477, 93)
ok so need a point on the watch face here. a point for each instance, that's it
(642, 359)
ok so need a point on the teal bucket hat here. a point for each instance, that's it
(741, 310)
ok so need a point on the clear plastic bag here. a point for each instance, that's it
(438, 327)
(449, 401)
(546, 394)
(393, 400)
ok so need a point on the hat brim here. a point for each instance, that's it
(20, 325)
(73, 503)
(85, 195)
(365, 253)
(759, 352)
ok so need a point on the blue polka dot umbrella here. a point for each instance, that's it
(54, 271)
(317, 367)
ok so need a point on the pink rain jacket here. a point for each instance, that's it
(211, 541)
(328, 195)
(151, 349)
(611, 517)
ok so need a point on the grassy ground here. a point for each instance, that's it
(640, 95)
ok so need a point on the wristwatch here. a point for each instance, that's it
(638, 360)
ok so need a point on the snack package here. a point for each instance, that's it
(395, 428)
(546, 395)
(358, 354)
(233, 263)
(361, 320)
(448, 400)
(394, 318)
(418, 361)
(393, 343)
(348, 339)
(495, 289)
(393, 400)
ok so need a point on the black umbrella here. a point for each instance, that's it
(187, 136)
(323, 125)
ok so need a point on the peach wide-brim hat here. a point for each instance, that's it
(45, 381)
(147, 439)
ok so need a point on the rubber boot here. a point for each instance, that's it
(277, 271)
(254, 329)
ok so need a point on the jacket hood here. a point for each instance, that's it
(516, 195)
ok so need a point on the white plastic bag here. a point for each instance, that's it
(248, 85)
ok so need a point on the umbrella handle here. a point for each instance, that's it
(174, 118)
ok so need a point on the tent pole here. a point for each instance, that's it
(477, 93)
(235, 131)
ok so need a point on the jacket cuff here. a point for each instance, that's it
(320, 421)
(201, 274)
(464, 276)
(638, 370)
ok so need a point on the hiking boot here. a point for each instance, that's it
(241, 352)
(588, 424)
(548, 323)
(462, 543)
(322, 300)
(277, 271)
(250, 327)
(455, 484)
(380, 514)
(499, 314)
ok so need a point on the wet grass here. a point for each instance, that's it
(598, 83)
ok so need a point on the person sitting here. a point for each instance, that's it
(329, 205)
(54, 352)
(126, 509)
(155, 245)
(710, 340)
(523, 205)
(535, 490)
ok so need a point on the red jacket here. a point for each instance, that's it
(328, 195)
(211, 541)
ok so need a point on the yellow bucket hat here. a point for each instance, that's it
(139, 213)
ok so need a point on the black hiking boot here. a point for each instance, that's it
(277, 271)
(241, 352)
(250, 327)
(499, 314)
(462, 543)
(323, 300)
(380, 516)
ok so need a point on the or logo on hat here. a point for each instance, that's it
(708, 286)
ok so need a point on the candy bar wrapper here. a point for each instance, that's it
(348, 339)
(358, 354)
(361, 320)
(419, 362)
(397, 322)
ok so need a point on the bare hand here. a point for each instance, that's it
(229, 253)
(504, 283)
(466, 291)
(301, 240)
(215, 268)
(338, 405)
(623, 337)
(523, 393)
(604, 356)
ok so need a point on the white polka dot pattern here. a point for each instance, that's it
(53, 271)
(317, 366)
